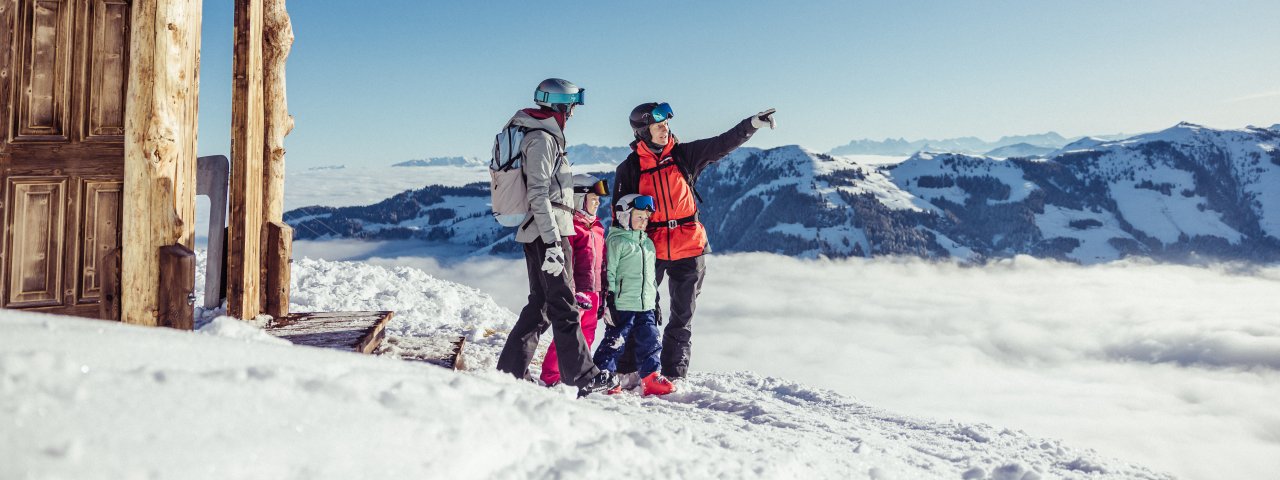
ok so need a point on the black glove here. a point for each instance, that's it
(608, 308)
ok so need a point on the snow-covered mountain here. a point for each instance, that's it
(442, 162)
(1020, 150)
(970, 145)
(1182, 193)
(593, 155)
(89, 399)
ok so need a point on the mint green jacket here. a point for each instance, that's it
(630, 270)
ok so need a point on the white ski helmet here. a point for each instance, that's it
(584, 184)
(629, 203)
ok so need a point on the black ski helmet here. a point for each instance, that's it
(643, 115)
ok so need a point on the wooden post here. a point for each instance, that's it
(244, 247)
(277, 32)
(279, 251)
(109, 301)
(177, 287)
(159, 147)
(278, 40)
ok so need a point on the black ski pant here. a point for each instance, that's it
(685, 286)
(550, 305)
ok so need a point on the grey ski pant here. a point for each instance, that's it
(686, 284)
(551, 305)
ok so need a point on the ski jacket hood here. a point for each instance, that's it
(588, 253)
(548, 179)
(630, 271)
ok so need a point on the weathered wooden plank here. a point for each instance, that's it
(109, 275)
(350, 331)
(245, 224)
(160, 132)
(177, 287)
(279, 253)
(7, 9)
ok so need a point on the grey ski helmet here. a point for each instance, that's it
(584, 184)
(559, 94)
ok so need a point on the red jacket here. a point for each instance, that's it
(587, 244)
(668, 176)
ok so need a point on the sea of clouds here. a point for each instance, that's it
(1173, 367)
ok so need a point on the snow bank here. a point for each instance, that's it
(92, 399)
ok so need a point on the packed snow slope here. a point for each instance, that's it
(1187, 193)
(92, 399)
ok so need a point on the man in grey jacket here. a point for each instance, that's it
(544, 233)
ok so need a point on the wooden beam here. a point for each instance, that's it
(159, 147)
(278, 40)
(245, 223)
(279, 251)
(177, 287)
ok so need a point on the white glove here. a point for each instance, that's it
(554, 263)
(764, 118)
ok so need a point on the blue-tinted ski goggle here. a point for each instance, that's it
(661, 113)
(579, 98)
(643, 202)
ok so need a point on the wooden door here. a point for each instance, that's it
(62, 96)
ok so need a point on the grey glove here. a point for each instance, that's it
(554, 262)
(764, 118)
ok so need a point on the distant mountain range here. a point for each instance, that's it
(1038, 144)
(443, 162)
(1182, 194)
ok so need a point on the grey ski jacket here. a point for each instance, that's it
(548, 179)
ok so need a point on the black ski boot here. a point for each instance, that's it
(602, 382)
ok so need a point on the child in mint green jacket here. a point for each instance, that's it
(633, 294)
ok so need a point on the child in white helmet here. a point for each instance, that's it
(588, 248)
(633, 294)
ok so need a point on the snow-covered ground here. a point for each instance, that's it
(1173, 367)
(92, 399)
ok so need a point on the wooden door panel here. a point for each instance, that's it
(101, 223)
(7, 8)
(36, 241)
(44, 70)
(108, 51)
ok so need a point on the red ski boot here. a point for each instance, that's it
(656, 384)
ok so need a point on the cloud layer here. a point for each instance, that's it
(1174, 367)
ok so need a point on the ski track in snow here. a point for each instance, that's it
(88, 399)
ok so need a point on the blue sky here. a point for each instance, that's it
(394, 80)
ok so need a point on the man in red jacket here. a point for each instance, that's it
(662, 167)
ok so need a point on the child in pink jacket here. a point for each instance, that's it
(587, 246)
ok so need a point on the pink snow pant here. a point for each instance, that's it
(551, 364)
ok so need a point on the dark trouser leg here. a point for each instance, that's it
(550, 304)
(615, 336)
(685, 286)
(644, 336)
(523, 340)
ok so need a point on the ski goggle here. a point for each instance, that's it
(579, 98)
(661, 113)
(643, 202)
(599, 188)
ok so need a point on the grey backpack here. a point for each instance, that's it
(509, 196)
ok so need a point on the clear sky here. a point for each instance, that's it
(378, 82)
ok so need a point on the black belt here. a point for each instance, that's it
(672, 224)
